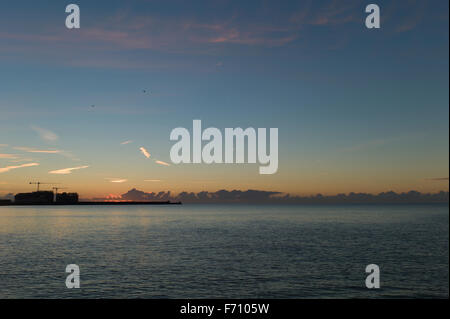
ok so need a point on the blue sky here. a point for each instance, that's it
(357, 109)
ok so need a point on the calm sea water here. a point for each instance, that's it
(218, 251)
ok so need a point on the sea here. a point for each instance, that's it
(225, 251)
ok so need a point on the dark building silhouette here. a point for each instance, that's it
(42, 197)
(5, 201)
(67, 198)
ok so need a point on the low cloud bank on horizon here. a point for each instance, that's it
(257, 196)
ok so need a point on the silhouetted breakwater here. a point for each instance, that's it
(5, 203)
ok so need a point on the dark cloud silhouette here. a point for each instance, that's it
(438, 179)
(257, 196)
(137, 195)
(222, 196)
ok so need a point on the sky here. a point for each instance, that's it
(357, 109)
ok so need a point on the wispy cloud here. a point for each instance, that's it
(126, 142)
(334, 13)
(268, 25)
(66, 171)
(8, 156)
(145, 152)
(162, 163)
(117, 180)
(147, 155)
(33, 150)
(414, 18)
(152, 180)
(67, 154)
(45, 134)
(18, 160)
(8, 168)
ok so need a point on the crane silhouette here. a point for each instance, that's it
(39, 184)
(56, 191)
